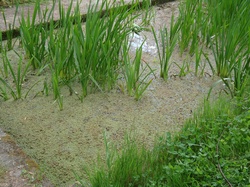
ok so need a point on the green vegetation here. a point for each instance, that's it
(10, 34)
(213, 148)
(225, 29)
(92, 55)
(33, 37)
(135, 80)
(18, 78)
(166, 46)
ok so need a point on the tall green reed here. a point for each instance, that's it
(56, 89)
(230, 47)
(225, 30)
(91, 52)
(3, 92)
(97, 50)
(10, 28)
(198, 54)
(165, 47)
(184, 68)
(148, 12)
(60, 70)
(34, 35)
(187, 17)
(18, 77)
(60, 51)
(136, 77)
(60, 45)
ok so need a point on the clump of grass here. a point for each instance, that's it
(184, 68)
(122, 168)
(100, 46)
(56, 88)
(18, 78)
(225, 29)
(34, 35)
(230, 46)
(9, 30)
(190, 18)
(198, 54)
(165, 48)
(91, 55)
(166, 45)
(135, 77)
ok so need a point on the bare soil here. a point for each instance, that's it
(61, 142)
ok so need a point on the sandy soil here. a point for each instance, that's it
(64, 141)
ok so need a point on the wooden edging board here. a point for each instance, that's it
(14, 32)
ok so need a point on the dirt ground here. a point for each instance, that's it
(63, 142)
